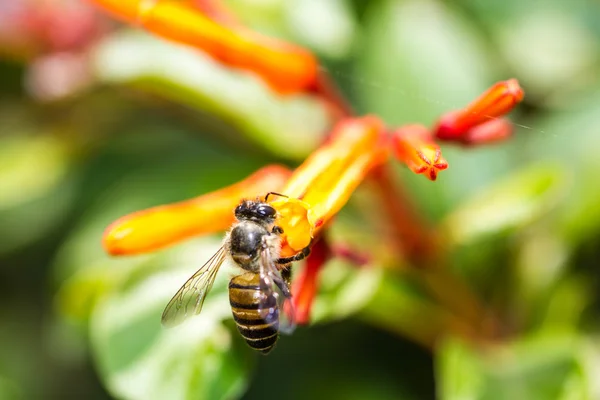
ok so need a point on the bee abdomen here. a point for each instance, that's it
(245, 296)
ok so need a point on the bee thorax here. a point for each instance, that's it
(245, 242)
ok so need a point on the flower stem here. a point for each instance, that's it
(423, 247)
(412, 234)
(449, 290)
(327, 89)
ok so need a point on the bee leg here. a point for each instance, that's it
(286, 274)
(296, 257)
(282, 285)
(277, 230)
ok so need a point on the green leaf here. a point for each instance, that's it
(34, 189)
(538, 367)
(139, 359)
(80, 293)
(9, 390)
(549, 50)
(564, 307)
(328, 27)
(30, 166)
(570, 136)
(419, 59)
(399, 307)
(266, 17)
(192, 78)
(344, 290)
(510, 203)
(583, 383)
(458, 371)
(543, 295)
(24, 223)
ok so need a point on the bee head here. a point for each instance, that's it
(255, 211)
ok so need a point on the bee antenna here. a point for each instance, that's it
(276, 194)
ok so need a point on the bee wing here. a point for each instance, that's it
(276, 295)
(190, 297)
(287, 322)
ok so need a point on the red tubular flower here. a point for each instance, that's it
(285, 67)
(497, 101)
(306, 284)
(154, 228)
(414, 146)
(346, 252)
(492, 131)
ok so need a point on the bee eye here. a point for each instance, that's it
(238, 210)
(266, 211)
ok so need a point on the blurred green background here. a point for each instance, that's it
(98, 120)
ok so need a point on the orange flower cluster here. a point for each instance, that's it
(317, 190)
(319, 187)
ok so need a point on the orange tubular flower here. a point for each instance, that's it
(497, 101)
(415, 147)
(154, 228)
(285, 67)
(318, 189)
(321, 186)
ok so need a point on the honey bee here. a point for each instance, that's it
(259, 294)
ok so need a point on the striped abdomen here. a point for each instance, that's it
(259, 328)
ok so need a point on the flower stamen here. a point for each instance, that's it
(415, 147)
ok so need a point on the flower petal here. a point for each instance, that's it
(157, 227)
(293, 219)
(325, 181)
(285, 67)
(415, 147)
